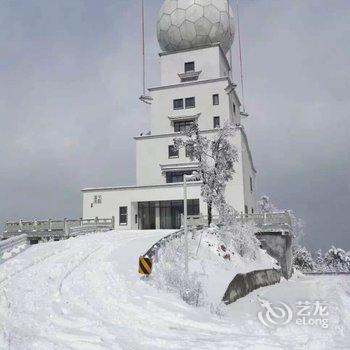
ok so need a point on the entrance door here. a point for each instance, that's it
(147, 215)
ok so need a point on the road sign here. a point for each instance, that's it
(145, 265)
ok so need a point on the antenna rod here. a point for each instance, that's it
(229, 26)
(143, 48)
(240, 55)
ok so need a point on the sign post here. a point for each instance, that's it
(192, 177)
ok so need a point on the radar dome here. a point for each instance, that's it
(187, 24)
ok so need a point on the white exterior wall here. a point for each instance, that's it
(162, 106)
(152, 150)
(206, 60)
(248, 172)
(114, 198)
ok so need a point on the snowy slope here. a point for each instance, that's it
(85, 293)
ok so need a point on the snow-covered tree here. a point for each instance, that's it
(302, 259)
(319, 261)
(337, 260)
(216, 158)
(265, 205)
(169, 274)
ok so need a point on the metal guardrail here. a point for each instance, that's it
(154, 249)
(52, 228)
(326, 273)
(13, 242)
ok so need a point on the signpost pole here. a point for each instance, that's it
(185, 225)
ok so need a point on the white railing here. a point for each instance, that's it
(50, 228)
(83, 230)
(277, 220)
(8, 244)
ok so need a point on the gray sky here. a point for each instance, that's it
(70, 74)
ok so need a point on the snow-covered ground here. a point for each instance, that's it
(85, 293)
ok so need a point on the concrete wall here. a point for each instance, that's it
(162, 104)
(113, 198)
(279, 246)
(248, 172)
(210, 60)
(243, 284)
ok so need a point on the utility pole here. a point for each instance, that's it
(192, 177)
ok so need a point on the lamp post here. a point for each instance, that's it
(192, 177)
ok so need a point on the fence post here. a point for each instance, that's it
(50, 225)
(265, 219)
(113, 222)
(66, 228)
(20, 225)
(35, 224)
(96, 221)
(81, 222)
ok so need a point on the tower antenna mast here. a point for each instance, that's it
(229, 26)
(144, 98)
(240, 56)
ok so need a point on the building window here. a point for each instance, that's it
(246, 209)
(173, 152)
(183, 125)
(234, 108)
(177, 176)
(215, 99)
(216, 122)
(251, 184)
(190, 102)
(189, 67)
(123, 215)
(178, 103)
(97, 199)
(188, 150)
(252, 210)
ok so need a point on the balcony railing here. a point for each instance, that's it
(52, 228)
(264, 221)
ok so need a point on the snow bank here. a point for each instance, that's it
(86, 293)
(213, 264)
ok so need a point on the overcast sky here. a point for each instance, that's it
(70, 77)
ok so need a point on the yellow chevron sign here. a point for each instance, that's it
(145, 265)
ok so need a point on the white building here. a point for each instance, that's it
(195, 85)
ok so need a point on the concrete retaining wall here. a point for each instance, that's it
(279, 246)
(243, 284)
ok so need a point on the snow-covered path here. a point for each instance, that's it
(85, 293)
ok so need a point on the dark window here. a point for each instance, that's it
(190, 102)
(234, 108)
(173, 152)
(123, 215)
(97, 199)
(252, 210)
(135, 218)
(182, 126)
(246, 209)
(176, 176)
(178, 103)
(193, 207)
(216, 122)
(188, 150)
(189, 67)
(251, 184)
(215, 99)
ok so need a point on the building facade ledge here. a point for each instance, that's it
(121, 188)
